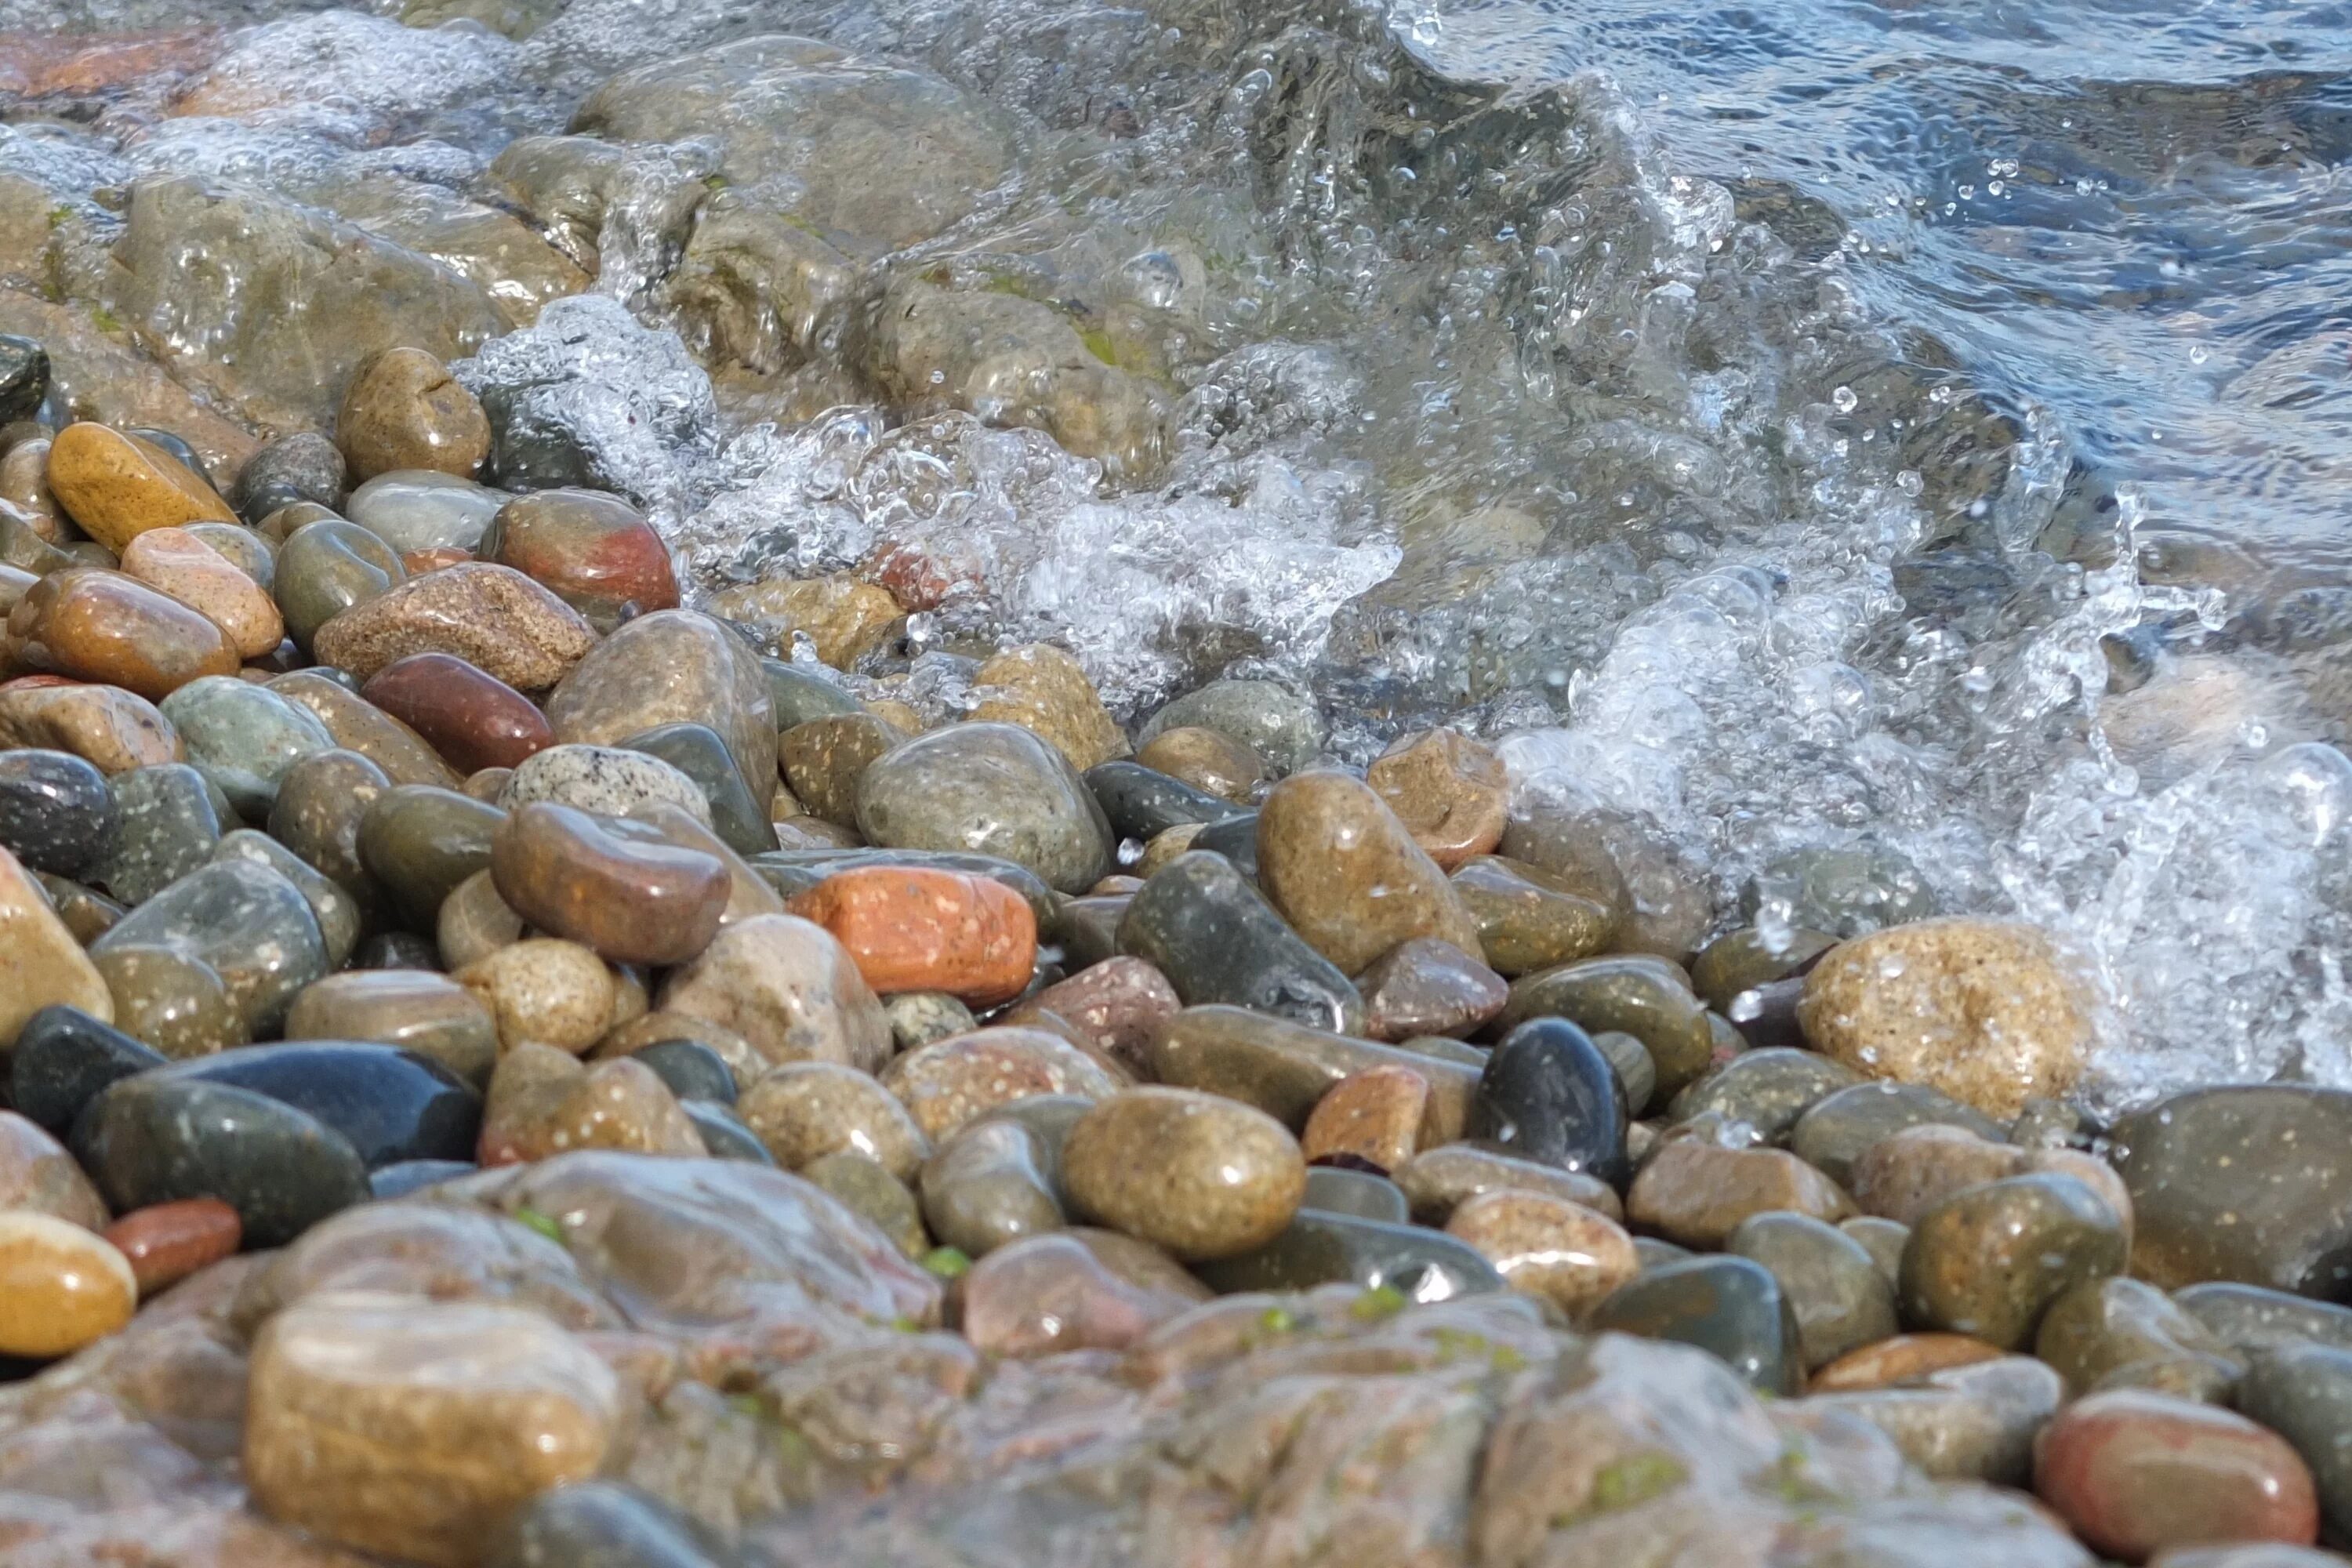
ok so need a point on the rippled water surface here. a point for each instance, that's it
(1913, 429)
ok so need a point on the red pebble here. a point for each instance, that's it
(471, 717)
(2134, 1472)
(167, 1242)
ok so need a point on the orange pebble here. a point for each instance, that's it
(1905, 1358)
(915, 929)
(167, 1242)
(1374, 1115)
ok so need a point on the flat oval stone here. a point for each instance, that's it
(916, 928)
(1695, 1192)
(1141, 804)
(253, 927)
(420, 842)
(63, 1058)
(118, 485)
(403, 410)
(1990, 1261)
(55, 811)
(990, 789)
(1731, 1308)
(2248, 1318)
(1197, 1175)
(388, 1103)
(1573, 1257)
(804, 1110)
(543, 991)
(693, 1071)
(2251, 1183)
(1218, 941)
(2302, 1392)
(2135, 1472)
(427, 1014)
(490, 616)
(166, 1243)
(1640, 996)
(1835, 1129)
(1548, 1094)
(632, 902)
(1277, 721)
(177, 563)
(1768, 1090)
(1904, 1359)
(1425, 987)
(1348, 876)
(603, 779)
(115, 630)
(1529, 919)
(1387, 1261)
(786, 986)
(987, 1187)
(244, 737)
(472, 719)
(595, 551)
(358, 725)
(949, 1082)
(152, 1138)
(1835, 1289)
(324, 568)
(427, 519)
(1438, 1181)
(61, 1287)
(673, 667)
(1450, 792)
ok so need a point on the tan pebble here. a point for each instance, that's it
(543, 991)
(1905, 1358)
(37, 1175)
(117, 487)
(1198, 1175)
(844, 617)
(1045, 691)
(1548, 1246)
(1374, 1114)
(803, 1111)
(946, 1083)
(189, 570)
(1448, 790)
(61, 1286)
(40, 963)
(1694, 1193)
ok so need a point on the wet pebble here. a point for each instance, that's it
(57, 812)
(573, 875)
(63, 1057)
(326, 566)
(1197, 1175)
(429, 518)
(1769, 1091)
(912, 928)
(2119, 1333)
(1275, 721)
(804, 1110)
(987, 1187)
(2247, 1184)
(593, 551)
(1989, 1260)
(1373, 1115)
(1425, 987)
(873, 1194)
(603, 779)
(1840, 1299)
(1697, 1193)
(244, 737)
(1529, 919)
(472, 719)
(2302, 1392)
(1049, 1294)
(61, 1286)
(1218, 941)
(2134, 1472)
(1835, 1129)
(1548, 1094)
(786, 986)
(1045, 691)
(403, 410)
(1450, 792)
(950, 1082)
(179, 562)
(1571, 1255)
(1729, 1307)
(918, 1017)
(543, 991)
(117, 486)
(1347, 874)
(428, 1014)
(1640, 996)
(166, 1243)
(988, 789)
(111, 630)
(542, 1101)
(490, 616)
(1211, 762)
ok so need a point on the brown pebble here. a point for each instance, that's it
(1546, 1246)
(166, 1243)
(403, 410)
(1449, 791)
(1198, 1175)
(1373, 1115)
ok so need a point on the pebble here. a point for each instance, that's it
(178, 562)
(1140, 803)
(1425, 987)
(421, 842)
(736, 816)
(1044, 690)
(1209, 762)
(1644, 996)
(428, 518)
(1903, 1176)
(633, 899)
(1196, 1174)
(1572, 1256)
(596, 552)
(118, 485)
(430, 1014)
(326, 566)
(357, 1408)
(988, 789)
(824, 758)
(1836, 1290)
(490, 616)
(842, 618)
(1989, 1260)
(2302, 1392)
(249, 924)
(803, 1111)
(1216, 939)
(244, 737)
(915, 929)
(1729, 1307)
(542, 1101)
(1664, 906)
(57, 812)
(1348, 876)
(1747, 958)
(1769, 1091)
(543, 991)
(1989, 1012)
(1450, 792)
(987, 1187)
(693, 1071)
(358, 725)
(1047, 1295)
(1374, 1115)
(1529, 919)
(41, 965)
(1383, 1262)
(1882, 1240)
(61, 1287)
(472, 719)
(403, 410)
(873, 1194)
(154, 1139)
(2248, 1318)
(2117, 1333)
(1900, 1359)
(114, 630)
(918, 1017)
(950, 1082)
(166, 1243)
(1697, 1193)
(173, 1001)
(63, 1057)
(2134, 1472)
(303, 466)
(1236, 839)
(1437, 1181)
(1971, 1423)
(1121, 1004)
(1836, 1129)
(39, 1176)
(108, 727)
(1277, 722)
(322, 802)
(1286, 1070)
(390, 1104)
(2251, 1183)
(1845, 891)
(1547, 1094)
(789, 988)
(1335, 1189)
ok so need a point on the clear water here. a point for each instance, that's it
(1912, 427)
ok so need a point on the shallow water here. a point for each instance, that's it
(1786, 426)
